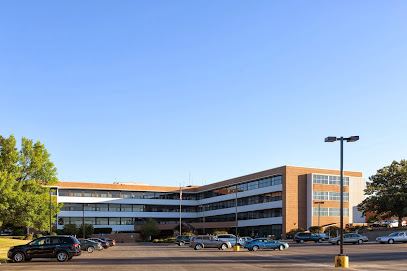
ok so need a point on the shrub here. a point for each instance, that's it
(89, 230)
(156, 240)
(369, 229)
(188, 233)
(28, 236)
(19, 232)
(215, 232)
(316, 229)
(293, 232)
(150, 228)
(332, 230)
(38, 235)
(70, 229)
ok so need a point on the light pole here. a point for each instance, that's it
(341, 139)
(319, 210)
(50, 208)
(83, 219)
(236, 247)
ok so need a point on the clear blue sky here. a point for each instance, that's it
(148, 91)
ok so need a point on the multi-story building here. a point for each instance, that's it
(268, 202)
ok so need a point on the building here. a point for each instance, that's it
(270, 202)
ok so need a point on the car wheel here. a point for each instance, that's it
(90, 249)
(255, 248)
(181, 243)
(301, 241)
(360, 242)
(18, 257)
(281, 247)
(223, 246)
(62, 256)
(198, 247)
(390, 226)
(319, 240)
(391, 241)
(338, 242)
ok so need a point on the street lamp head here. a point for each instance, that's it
(330, 139)
(353, 138)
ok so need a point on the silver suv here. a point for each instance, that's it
(206, 241)
(230, 238)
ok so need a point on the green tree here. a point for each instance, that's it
(387, 192)
(150, 228)
(70, 229)
(89, 230)
(24, 199)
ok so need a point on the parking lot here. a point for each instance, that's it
(309, 256)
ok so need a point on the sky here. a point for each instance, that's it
(195, 92)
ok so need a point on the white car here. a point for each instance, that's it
(229, 238)
(244, 240)
(400, 236)
(392, 224)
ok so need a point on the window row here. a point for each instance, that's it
(326, 179)
(325, 195)
(268, 197)
(124, 194)
(276, 180)
(101, 207)
(329, 212)
(139, 221)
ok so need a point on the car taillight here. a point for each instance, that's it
(76, 246)
(99, 244)
(107, 243)
(248, 243)
(192, 240)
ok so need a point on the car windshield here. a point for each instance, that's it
(394, 234)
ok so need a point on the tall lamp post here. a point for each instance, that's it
(203, 221)
(342, 259)
(319, 210)
(83, 219)
(50, 207)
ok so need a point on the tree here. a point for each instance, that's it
(24, 199)
(316, 229)
(70, 229)
(89, 230)
(150, 228)
(387, 192)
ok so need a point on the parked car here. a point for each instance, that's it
(245, 239)
(400, 236)
(229, 238)
(301, 237)
(264, 243)
(182, 240)
(206, 241)
(392, 224)
(110, 241)
(353, 238)
(105, 244)
(376, 224)
(89, 245)
(62, 247)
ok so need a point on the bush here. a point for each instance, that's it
(216, 232)
(54, 233)
(103, 230)
(369, 229)
(293, 232)
(316, 229)
(156, 240)
(332, 230)
(89, 230)
(188, 233)
(28, 236)
(38, 235)
(59, 232)
(70, 229)
(19, 232)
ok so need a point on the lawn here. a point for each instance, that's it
(6, 243)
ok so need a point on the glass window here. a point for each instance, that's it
(242, 187)
(138, 208)
(138, 195)
(265, 182)
(276, 180)
(114, 220)
(320, 179)
(90, 220)
(126, 208)
(253, 185)
(114, 194)
(76, 193)
(102, 194)
(126, 221)
(63, 192)
(89, 193)
(102, 207)
(114, 207)
(102, 221)
(321, 211)
(320, 195)
(126, 195)
(76, 220)
(150, 195)
(76, 207)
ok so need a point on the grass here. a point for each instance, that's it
(6, 243)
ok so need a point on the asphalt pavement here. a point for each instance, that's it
(308, 256)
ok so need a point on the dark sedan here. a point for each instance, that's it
(105, 244)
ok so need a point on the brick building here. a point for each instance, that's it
(268, 202)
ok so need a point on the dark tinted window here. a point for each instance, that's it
(205, 238)
(66, 240)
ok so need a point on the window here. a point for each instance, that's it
(320, 195)
(330, 212)
(253, 185)
(276, 180)
(114, 194)
(265, 182)
(114, 220)
(138, 208)
(102, 194)
(63, 192)
(138, 195)
(126, 208)
(320, 179)
(150, 195)
(320, 211)
(102, 221)
(114, 207)
(76, 193)
(126, 195)
(89, 193)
